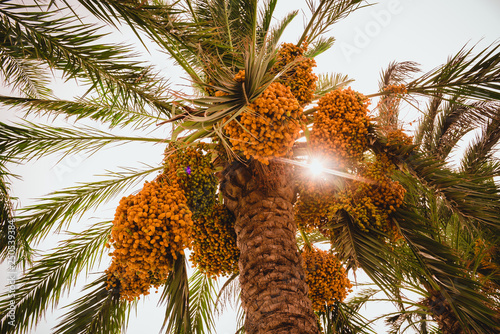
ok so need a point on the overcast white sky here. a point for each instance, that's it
(425, 31)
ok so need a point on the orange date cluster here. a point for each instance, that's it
(326, 278)
(268, 127)
(192, 169)
(299, 77)
(150, 230)
(341, 126)
(214, 243)
(372, 200)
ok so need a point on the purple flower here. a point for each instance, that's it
(188, 170)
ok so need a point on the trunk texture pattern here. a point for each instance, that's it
(273, 288)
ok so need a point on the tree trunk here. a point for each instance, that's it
(273, 288)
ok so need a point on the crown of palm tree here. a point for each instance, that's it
(445, 212)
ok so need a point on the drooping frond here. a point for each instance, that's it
(364, 250)
(202, 294)
(22, 142)
(190, 303)
(175, 298)
(60, 207)
(325, 13)
(480, 153)
(229, 294)
(6, 207)
(344, 317)
(99, 311)
(444, 273)
(456, 120)
(397, 73)
(469, 196)
(425, 128)
(466, 75)
(44, 283)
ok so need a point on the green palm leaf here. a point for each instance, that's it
(175, 296)
(326, 13)
(473, 199)
(202, 293)
(24, 75)
(66, 44)
(52, 275)
(113, 112)
(189, 308)
(466, 75)
(60, 207)
(345, 318)
(364, 250)
(99, 311)
(443, 273)
(455, 119)
(22, 142)
(328, 82)
(478, 155)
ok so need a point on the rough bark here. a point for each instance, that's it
(273, 288)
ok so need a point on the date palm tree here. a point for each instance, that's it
(231, 51)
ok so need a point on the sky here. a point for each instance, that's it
(425, 31)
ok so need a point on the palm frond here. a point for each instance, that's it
(469, 196)
(443, 273)
(206, 120)
(321, 45)
(66, 44)
(479, 153)
(60, 207)
(265, 18)
(332, 81)
(202, 293)
(229, 294)
(324, 14)
(163, 23)
(364, 250)
(417, 319)
(466, 75)
(397, 73)
(343, 318)
(44, 283)
(425, 128)
(25, 141)
(388, 105)
(99, 311)
(454, 121)
(25, 75)
(113, 112)
(175, 296)
(276, 32)
(190, 303)
(6, 207)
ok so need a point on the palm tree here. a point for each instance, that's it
(246, 81)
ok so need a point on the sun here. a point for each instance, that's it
(316, 167)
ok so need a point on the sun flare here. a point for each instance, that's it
(316, 167)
